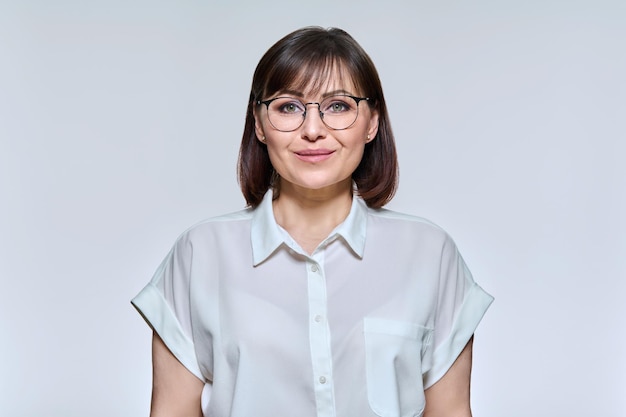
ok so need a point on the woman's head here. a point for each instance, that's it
(311, 60)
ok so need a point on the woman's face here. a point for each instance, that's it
(314, 156)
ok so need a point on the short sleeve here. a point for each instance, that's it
(461, 305)
(165, 304)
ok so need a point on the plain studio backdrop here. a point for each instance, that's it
(120, 123)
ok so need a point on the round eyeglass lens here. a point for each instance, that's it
(337, 112)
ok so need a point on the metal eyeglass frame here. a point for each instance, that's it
(319, 109)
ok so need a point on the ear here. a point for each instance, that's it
(373, 126)
(258, 126)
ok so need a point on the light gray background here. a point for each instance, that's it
(119, 128)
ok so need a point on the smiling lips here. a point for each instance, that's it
(314, 155)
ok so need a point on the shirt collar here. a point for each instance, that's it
(266, 235)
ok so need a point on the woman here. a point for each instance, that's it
(314, 301)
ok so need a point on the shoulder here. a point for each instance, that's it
(409, 230)
(392, 215)
(204, 242)
(396, 222)
(217, 226)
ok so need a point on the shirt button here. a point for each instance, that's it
(318, 318)
(314, 268)
(322, 379)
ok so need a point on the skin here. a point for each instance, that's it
(315, 196)
(450, 396)
(175, 391)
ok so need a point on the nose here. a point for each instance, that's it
(313, 127)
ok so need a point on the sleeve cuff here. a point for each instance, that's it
(158, 314)
(471, 313)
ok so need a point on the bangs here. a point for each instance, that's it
(311, 75)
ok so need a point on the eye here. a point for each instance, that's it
(337, 105)
(288, 106)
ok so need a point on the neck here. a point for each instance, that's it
(310, 215)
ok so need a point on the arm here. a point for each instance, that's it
(450, 396)
(176, 392)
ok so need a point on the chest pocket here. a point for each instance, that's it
(393, 355)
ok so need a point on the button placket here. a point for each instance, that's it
(319, 333)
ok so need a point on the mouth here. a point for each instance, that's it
(314, 155)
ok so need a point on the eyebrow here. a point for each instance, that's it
(301, 95)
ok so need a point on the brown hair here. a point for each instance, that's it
(312, 54)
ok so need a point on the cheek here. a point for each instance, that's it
(354, 156)
(275, 153)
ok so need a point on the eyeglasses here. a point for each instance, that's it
(338, 112)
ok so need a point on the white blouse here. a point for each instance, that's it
(378, 313)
